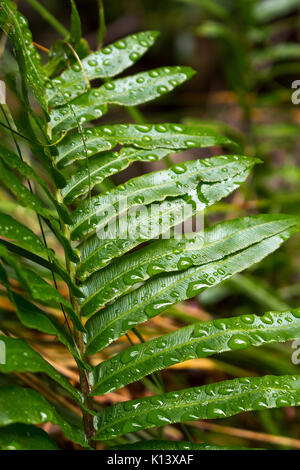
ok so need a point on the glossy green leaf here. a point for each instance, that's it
(28, 199)
(23, 405)
(129, 91)
(39, 289)
(49, 262)
(158, 294)
(199, 340)
(14, 162)
(104, 165)
(11, 229)
(145, 136)
(179, 180)
(20, 357)
(25, 437)
(218, 400)
(42, 291)
(176, 255)
(150, 222)
(33, 317)
(16, 27)
(24, 196)
(108, 62)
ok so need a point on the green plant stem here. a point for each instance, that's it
(88, 420)
(102, 25)
(49, 17)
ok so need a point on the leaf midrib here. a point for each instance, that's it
(187, 249)
(185, 178)
(199, 340)
(186, 405)
(170, 286)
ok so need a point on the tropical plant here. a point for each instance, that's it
(114, 283)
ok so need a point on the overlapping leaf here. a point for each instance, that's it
(158, 294)
(176, 255)
(104, 165)
(14, 162)
(146, 136)
(33, 317)
(28, 199)
(108, 62)
(39, 289)
(20, 357)
(22, 405)
(149, 222)
(179, 180)
(129, 91)
(16, 27)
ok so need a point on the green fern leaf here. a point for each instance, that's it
(25, 437)
(21, 405)
(199, 340)
(175, 255)
(218, 400)
(158, 294)
(110, 61)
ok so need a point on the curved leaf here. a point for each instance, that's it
(199, 340)
(51, 263)
(11, 229)
(33, 317)
(179, 180)
(158, 294)
(176, 255)
(145, 136)
(104, 165)
(150, 223)
(16, 27)
(129, 91)
(20, 405)
(39, 289)
(13, 161)
(27, 199)
(108, 62)
(218, 400)
(20, 357)
(25, 437)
